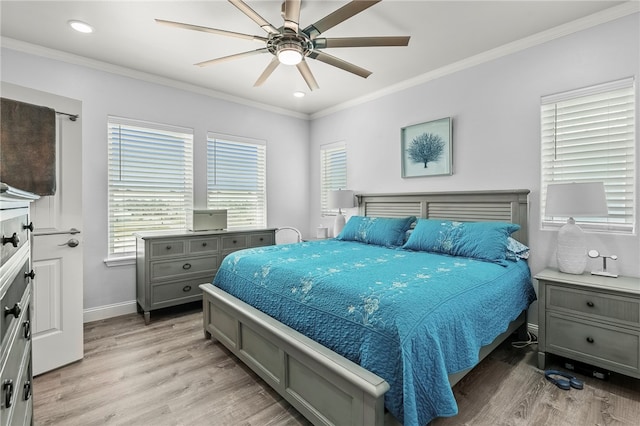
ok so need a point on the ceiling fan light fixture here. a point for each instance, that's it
(290, 53)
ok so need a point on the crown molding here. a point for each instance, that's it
(58, 55)
(607, 15)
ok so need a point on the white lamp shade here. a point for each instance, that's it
(341, 199)
(576, 200)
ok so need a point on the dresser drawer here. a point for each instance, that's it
(259, 240)
(164, 248)
(591, 342)
(13, 231)
(607, 306)
(234, 242)
(177, 292)
(186, 267)
(12, 300)
(204, 245)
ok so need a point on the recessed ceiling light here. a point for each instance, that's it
(298, 94)
(81, 27)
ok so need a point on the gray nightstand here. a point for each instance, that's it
(590, 318)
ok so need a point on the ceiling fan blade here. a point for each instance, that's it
(244, 8)
(230, 57)
(304, 69)
(267, 71)
(340, 15)
(321, 43)
(292, 14)
(211, 30)
(336, 62)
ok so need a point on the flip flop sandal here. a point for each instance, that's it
(563, 383)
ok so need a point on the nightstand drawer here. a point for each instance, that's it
(172, 269)
(167, 248)
(602, 345)
(594, 303)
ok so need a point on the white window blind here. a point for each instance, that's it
(236, 179)
(333, 173)
(150, 180)
(588, 135)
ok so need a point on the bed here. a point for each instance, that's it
(404, 324)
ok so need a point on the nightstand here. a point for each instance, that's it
(590, 318)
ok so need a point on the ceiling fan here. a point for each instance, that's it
(290, 45)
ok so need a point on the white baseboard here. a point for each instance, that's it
(109, 311)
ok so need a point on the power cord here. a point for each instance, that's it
(532, 339)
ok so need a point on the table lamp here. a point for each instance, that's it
(340, 199)
(574, 200)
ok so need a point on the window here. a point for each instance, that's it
(236, 179)
(588, 135)
(333, 173)
(150, 180)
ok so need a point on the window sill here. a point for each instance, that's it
(120, 261)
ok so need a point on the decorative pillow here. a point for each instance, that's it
(382, 231)
(516, 250)
(479, 240)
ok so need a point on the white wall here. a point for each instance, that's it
(496, 133)
(103, 94)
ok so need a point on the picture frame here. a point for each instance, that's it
(427, 148)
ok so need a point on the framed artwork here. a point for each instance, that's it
(427, 149)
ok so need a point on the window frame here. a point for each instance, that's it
(608, 150)
(144, 138)
(238, 218)
(333, 174)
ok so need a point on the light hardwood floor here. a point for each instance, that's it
(166, 373)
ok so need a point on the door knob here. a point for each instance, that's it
(71, 243)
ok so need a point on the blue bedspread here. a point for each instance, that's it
(410, 317)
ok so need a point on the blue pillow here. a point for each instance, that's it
(485, 241)
(381, 231)
(516, 250)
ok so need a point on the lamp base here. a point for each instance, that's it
(604, 274)
(338, 224)
(572, 250)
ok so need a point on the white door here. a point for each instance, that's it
(57, 247)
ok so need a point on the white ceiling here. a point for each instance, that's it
(444, 35)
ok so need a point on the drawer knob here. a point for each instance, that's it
(27, 390)
(186, 266)
(590, 339)
(7, 385)
(204, 244)
(27, 329)
(590, 304)
(15, 311)
(14, 240)
(30, 275)
(235, 241)
(186, 288)
(261, 239)
(29, 226)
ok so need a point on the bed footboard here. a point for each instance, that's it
(325, 387)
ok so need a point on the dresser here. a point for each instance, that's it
(171, 265)
(16, 404)
(590, 318)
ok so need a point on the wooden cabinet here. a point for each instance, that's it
(171, 265)
(16, 404)
(590, 318)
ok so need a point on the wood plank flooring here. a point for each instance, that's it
(166, 373)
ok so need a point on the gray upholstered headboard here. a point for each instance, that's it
(470, 206)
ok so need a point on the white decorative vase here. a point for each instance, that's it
(572, 249)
